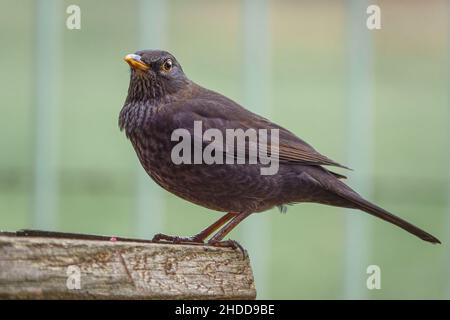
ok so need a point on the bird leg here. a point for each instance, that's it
(199, 237)
(216, 240)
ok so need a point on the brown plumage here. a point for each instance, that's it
(161, 99)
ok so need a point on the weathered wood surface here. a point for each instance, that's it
(48, 268)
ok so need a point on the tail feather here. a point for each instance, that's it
(346, 197)
(376, 211)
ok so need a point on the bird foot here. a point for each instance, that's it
(233, 244)
(163, 238)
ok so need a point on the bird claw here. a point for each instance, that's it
(163, 238)
(233, 244)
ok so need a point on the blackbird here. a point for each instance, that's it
(161, 99)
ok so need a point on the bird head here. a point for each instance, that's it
(154, 75)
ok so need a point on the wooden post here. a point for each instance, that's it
(62, 268)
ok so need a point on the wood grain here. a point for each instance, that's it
(40, 268)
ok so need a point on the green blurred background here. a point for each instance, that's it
(304, 65)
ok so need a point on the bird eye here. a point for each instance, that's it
(167, 65)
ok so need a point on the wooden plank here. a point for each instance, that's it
(45, 268)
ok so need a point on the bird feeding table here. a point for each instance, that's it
(69, 266)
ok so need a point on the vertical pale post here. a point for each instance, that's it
(447, 261)
(360, 145)
(149, 196)
(46, 67)
(256, 66)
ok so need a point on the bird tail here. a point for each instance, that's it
(376, 211)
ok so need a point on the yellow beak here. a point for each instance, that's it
(135, 62)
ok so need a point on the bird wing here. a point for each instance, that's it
(222, 113)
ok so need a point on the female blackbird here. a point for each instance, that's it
(161, 99)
